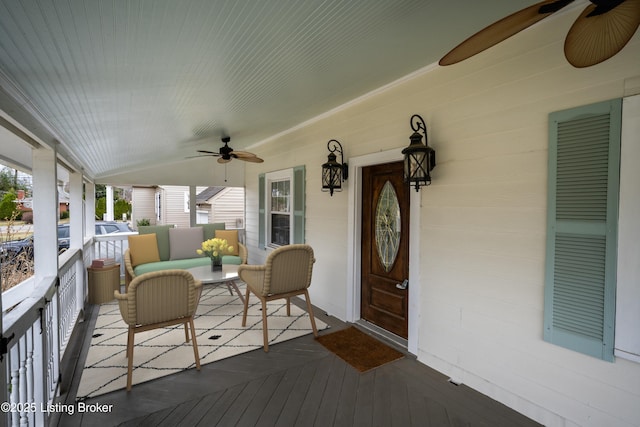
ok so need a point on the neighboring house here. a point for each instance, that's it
(221, 204)
(169, 204)
(25, 204)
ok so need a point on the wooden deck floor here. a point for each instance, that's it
(298, 383)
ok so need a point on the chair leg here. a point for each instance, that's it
(186, 333)
(128, 344)
(130, 341)
(246, 307)
(265, 328)
(311, 316)
(194, 342)
(288, 307)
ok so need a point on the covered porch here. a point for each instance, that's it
(131, 93)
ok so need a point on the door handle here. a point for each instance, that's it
(404, 285)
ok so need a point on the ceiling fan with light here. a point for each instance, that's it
(226, 153)
(600, 32)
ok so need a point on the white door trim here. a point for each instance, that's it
(354, 237)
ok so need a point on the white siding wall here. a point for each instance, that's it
(142, 204)
(228, 207)
(482, 220)
(174, 203)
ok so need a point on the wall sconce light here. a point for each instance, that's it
(419, 158)
(333, 173)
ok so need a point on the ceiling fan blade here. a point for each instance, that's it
(208, 152)
(251, 159)
(596, 37)
(502, 30)
(242, 154)
(202, 155)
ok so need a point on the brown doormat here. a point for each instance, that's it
(359, 349)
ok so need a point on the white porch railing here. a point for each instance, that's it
(38, 319)
(112, 246)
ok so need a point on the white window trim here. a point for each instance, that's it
(627, 340)
(270, 177)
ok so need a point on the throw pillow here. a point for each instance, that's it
(231, 236)
(184, 242)
(143, 248)
(210, 229)
(162, 235)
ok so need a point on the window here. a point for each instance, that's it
(281, 207)
(582, 217)
(279, 212)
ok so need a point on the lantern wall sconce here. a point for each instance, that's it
(333, 173)
(419, 158)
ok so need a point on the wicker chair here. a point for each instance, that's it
(286, 273)
(156, 300)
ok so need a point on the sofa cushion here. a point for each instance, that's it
(143, 249)
(184, 242)
(162, 236)
(180, 264)
(231, 236)
(231, 259)
(210, 229)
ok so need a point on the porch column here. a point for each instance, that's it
(90, 209)
(192, 206)
(109, 213)
(76, 211)
(45, 213)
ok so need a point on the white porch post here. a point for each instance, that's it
(76, 211)
(192, 206)
(90, 209)
(76, 231)
(109, 212)
(45, 213)
(45, 242)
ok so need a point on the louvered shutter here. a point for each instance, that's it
(262, 230)
(584, 162)
(298, 204)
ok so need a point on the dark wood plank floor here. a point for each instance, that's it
(298, 383)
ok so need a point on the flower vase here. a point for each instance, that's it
(216, 263)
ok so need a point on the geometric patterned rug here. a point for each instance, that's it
(161, 352)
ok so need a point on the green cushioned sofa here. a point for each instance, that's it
(170, 258)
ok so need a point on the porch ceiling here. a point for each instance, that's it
(129, 87)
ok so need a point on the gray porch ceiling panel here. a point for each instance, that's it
(124, 85)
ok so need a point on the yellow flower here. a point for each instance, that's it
(214, 248)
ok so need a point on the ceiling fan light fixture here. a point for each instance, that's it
(226, 153)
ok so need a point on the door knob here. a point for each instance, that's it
(403, 285)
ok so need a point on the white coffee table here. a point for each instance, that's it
(227, 276)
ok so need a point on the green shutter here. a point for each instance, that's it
(584, 163)
(298, 203)
(262, 231)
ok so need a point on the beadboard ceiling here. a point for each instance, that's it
(125, 84)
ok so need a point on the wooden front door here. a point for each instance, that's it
(385, 248)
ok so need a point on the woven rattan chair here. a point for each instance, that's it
(286, 273)
(156, 300)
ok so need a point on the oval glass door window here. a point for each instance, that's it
(387, 220)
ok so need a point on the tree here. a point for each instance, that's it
(7, 206)
(121, 207)
(9, 180)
